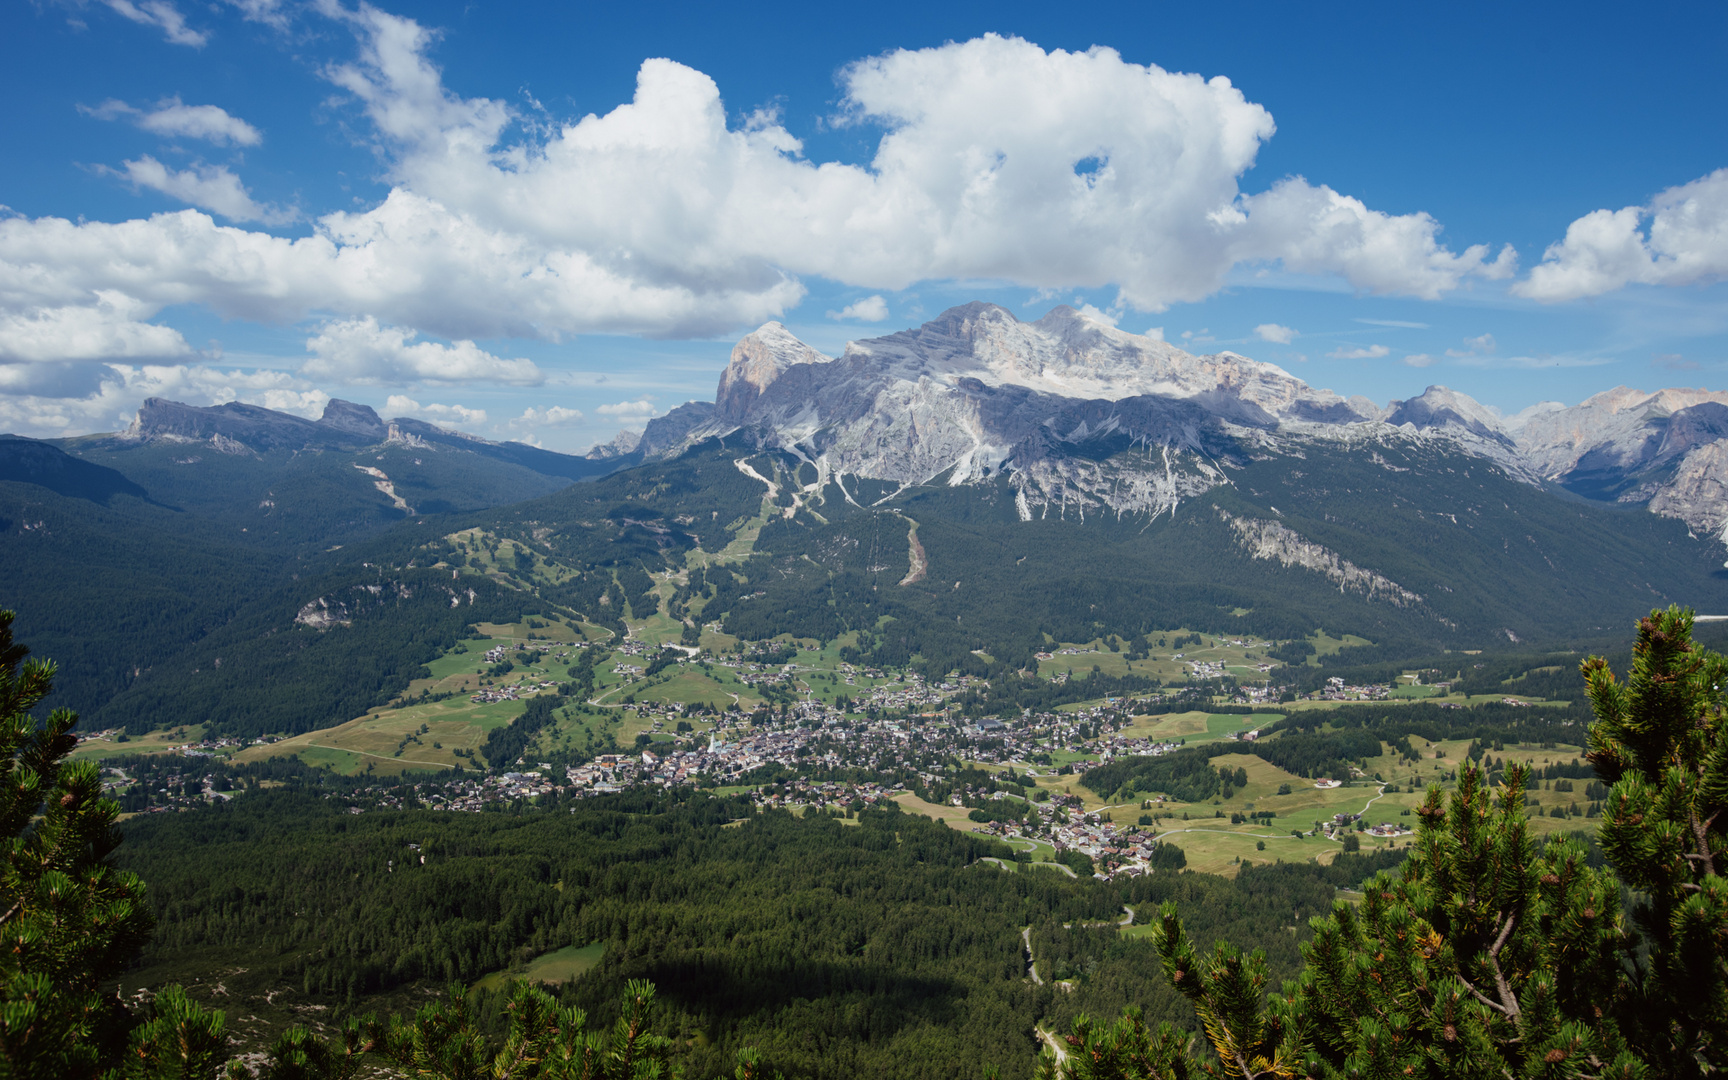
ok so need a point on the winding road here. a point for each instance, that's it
(1044, 1037)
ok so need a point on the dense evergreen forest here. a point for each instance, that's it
(874, 946)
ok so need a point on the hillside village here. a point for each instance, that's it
(822, 734)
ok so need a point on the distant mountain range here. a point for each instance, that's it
(975, 393)
(236, 428)
(958, 495)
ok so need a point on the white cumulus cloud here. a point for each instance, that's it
(1279, 335)
(175, 119)
(869, 309)
(110, 399)
(1096, 314)
(400, 405)
(1316, 230)
(1418, 360)
(362, 351)
(1481, 345)
(211, 187)
(630, 412)
(999, 160)
(1681, 238)
(551, 416)
(106, 327)
(1371, 352)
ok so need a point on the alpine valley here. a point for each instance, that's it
(940, 492)
(996, 609)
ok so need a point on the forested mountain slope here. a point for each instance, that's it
(1407, 544)
(140, 560)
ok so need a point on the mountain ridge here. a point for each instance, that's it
(976, 392)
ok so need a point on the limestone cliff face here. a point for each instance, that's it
(758, 360)
(1084, 418)
(1661, 450)
(1272, 540)
(975, 393)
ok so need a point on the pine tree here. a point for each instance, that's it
(1658, 739)
(1491, 956)
(70, 921)
(544, 1042)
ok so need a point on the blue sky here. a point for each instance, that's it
(547, 221)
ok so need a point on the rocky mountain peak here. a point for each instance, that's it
(1440, 406)
(625, 442)
(357, 419)
(230, 427)
(759, 358)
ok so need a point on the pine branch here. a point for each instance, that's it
(1506, 996)
(1700, 834)
(1483, 998)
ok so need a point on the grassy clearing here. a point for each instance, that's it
(1195, 727)
(393, 742)
(99, 748)
(954, 816)
(1325, 645)
(426, 736)
(560, 966)
(498, 558)
(389, 739)
(1241, 660)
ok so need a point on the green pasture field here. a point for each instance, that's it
(1417, 691)
(375, 739)
(92, 747)
(572, 730)
(691, 685)
(1195, 727)
(559, 966)
(1403, 699)
(1214, 845)
(954, 816)
(1325, 645)
(389, 739)
(1161, 662)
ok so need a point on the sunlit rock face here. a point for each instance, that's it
(1082, 417)
(1662, 450)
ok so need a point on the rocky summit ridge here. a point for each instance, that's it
(241, 429)
(1081, 416)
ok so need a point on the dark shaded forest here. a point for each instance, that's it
(873, 946)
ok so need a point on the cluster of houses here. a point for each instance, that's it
(509, 691)
(1337, 690)
(1115, 852)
